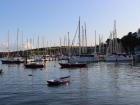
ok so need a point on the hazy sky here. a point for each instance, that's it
(52, 19)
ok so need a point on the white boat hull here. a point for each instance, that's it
(118, 58)
(84, 59)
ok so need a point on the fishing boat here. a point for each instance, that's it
(59, 81)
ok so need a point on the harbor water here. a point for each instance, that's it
(98, 84)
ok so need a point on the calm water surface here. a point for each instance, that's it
(99, 84)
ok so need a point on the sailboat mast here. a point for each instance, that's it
(99, 44)
(68, 45)
(32, 45)
(79, 37)
(43, 46)
(60, 47)
(22, 45)
(8, 43)
(95, 43)
(38, 45)
(116, 40)
(85, 38)
(17, 41)
(83, 41)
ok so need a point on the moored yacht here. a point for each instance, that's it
(34, 65)
(84, 58)
(16, 60)
(114, 50)
(118, 58)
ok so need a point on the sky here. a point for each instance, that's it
(51, 20)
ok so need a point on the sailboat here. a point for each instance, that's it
(74, 63)
(85, 58)
(114, 53)
(34, 64)
(12, 60)
(82, 59)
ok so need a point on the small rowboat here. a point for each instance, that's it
(60, 81)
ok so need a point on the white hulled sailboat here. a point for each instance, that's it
(114, 53)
